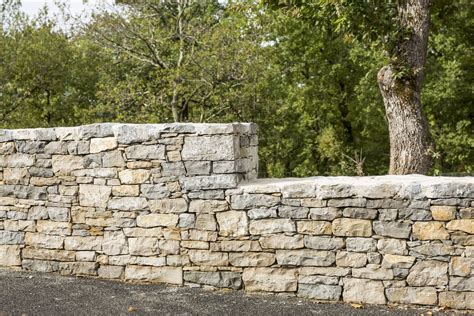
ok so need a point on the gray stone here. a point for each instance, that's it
(11, 238)
(197, 168)
(262, 212)
(361, 244)
(293, 212)
(128, 204)
(224, 181)
(412, 295)
(219, 279)
(428, 273)
(396, 261)
(172, 169)
(176, 206)
(374, 272)
(457, 300)
(305, 258)
(363, 213)
(94, 195)
(433, 249)
(325, 213)
(356, 202)
(320, 291)
(392, 229)
(392, 246)
(461, 284)
(171, 275)
(208, 206)
(145, 152)
(40, 265)
(247, 201)
(59, 214)
(209, 147)
(113, 159)
(186, 220)
(64, 165)
(281, 242)
(206, 222)
(232, 223)
(323, 243)
(271, 226)
(388, 214)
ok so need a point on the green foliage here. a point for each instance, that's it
(305, 74)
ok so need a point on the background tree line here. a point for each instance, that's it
(310, 87)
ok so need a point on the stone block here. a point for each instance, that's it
(83, 243)
(143, 246)
(429, 231)
(208, 258)
(392, 229)
(352, 227)
(461, 266)
(220, 181)
(248, 201)
(205, 222)
(64, 164)
(325, 213)
(464, 225)
(78, 268)
(271, 226)
(102, 144)
(443, 213)
(251, 259)
(208, 206)
(323, 243)
(240, 245)
(412, 295)
(94, 195)
(351, 259)
(428, 273)
(156, 220)
(305, 257)
(457, 300)
(320, 291)
(134, 176)
(44, 241)
(363, 291)
(219, 279)
(10, 255)
(11, 237)
(171, 275)
(110, 272)
(270, 279)
(281, 241)
(374, 272)
(392, 246)
(314, 227)
(361, 244)
(232, 223)
(216, 147)
(145, 152)
(127, 203)
(358, 212)
(155, 191)
(53, 228)
(396, 261)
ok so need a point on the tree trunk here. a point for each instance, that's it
(411, 145)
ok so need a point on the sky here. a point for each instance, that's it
(31, 7)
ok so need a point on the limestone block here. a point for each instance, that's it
(59, 214)
(313, 202)
(145, 152)
(356, 202)
(232, 223)
(314, 227)
(271, 226)
(293, 212)
(251, 259)
(461, 283)
(168, 205)
(48, 254)
(155, 220)
(78, 268)
(392, 229)
(352, 227)
(208, 258)
(206, 222)
(361, 244)
(433, 249)
(102, 144)
(325, 213)
(40, 265)
(65, 164)
(169, 247)
(374, 272)
(208, 206)
(192, 244)
(114, 243)
(94, 195)
(415, 214)
(467, 213)
(126, 190)
(247, 201)
(172, 169)
(44, 241)
(281, 241)
(216, 147)
(358, 212)
(83, 243)
(13, 225)
(305, 257)
(461, 266)
(10, 255)
(110, 272)
(155, 191)
(323, 243)
(143, 246)
(128, 204)
(262, 212)
(443, 213)
(221, 181)
(325, 271)
(186, 220)
(16, 176)
(428, 273)
(84, 255)
(171, 275)
(320, 291)
(363, 291)
(396, 261)
(392, 246)
(17, 161)
(317, 279)
(134, 176)
(351, 259)
(429, 231)
(412, 295)
(465, 225)
(53, 228)
(270, 279)
(197, 168)
(240, 245)
(457, 300)
(219, 279)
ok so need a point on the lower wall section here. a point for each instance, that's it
(367, 243)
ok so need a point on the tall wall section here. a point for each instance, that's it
(180, 204)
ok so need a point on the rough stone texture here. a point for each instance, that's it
(179, 203)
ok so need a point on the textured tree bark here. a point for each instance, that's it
(411, 145)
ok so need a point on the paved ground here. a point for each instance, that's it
(23, 293)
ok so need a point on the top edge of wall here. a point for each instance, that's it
(125, 133)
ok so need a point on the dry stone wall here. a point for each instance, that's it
(180, 204)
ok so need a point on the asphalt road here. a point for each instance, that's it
(23, 293)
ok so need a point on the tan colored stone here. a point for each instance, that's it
(465, 225)
(64, 164)
(126, 190)
(155, 220)
(94, 195)
(270, 279)
(412, 295)
(102, 144)
(305, 257)
(83, 243)
(428, 273)
(363, 291)
(171, 275)
(272, 226)
(208, 206)
(281, 241)
(48, 254)
(44, 241)
(143, 246)
(134, 176)
(461, 266)
(457, 300)
(232, 223)
(208, 258)
(10, 255)
(352, 227)
(429, 231)
(205, 222)
(395, 261)
(314, 227)
(251, 259)
(351, 259)
(443, 213)
(53, 228)
(239, 245)
(168, 205)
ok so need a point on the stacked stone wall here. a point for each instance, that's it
(180, 204)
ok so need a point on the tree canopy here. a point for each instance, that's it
(305, 72)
